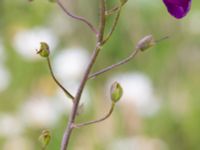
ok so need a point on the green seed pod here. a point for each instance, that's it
(146, 42)
(116, 92)
(45, 138)
(44, 49)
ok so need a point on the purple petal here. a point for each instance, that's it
(178, 8)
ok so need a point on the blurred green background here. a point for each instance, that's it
(160, 108)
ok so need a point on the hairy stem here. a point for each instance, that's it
(124, 61)
(82, 19)
(57, 82)
(98, 120)
(69, 128)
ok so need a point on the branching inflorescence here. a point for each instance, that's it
(102, 38)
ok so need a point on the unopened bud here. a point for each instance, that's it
(116, 92)
(123, 2)
(145, 43)
(45, 138)
(44, 49)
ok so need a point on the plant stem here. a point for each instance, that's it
(69, 129)
(112, 11)
(113, 26)
(77, 17)
(102, 21)
(98, 120)
(124, 61)
(57, 82)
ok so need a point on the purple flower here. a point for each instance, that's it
(178, 8)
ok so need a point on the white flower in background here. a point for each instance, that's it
(138, 143)
(62, 104)
(61, 24)
(10, 126)
(4, 78)
(39, 113)
(43, 112)
(137, 93)
(18, 143)
(26, 42)
(70, 64)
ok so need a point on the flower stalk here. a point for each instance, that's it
(82, 19)
(69, 128)
(98, 120)
(116, 89)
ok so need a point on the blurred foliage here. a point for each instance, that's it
(172, 65)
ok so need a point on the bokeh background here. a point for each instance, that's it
(160, 108)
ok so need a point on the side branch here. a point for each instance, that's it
(102, 22)
(112, 11)
(98, 120)
(82, 19)
(57, 82)
(124, 61)
(113, 26)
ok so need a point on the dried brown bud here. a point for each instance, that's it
(145, 43)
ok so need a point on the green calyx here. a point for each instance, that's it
(116, 92)
(45, 138)
(44, 49)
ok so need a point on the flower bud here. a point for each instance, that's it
(44, 49)
(145, 43)
(123, 2)
(116, 92)
(45, 138)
